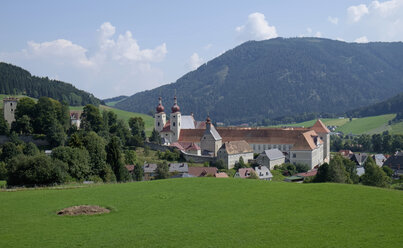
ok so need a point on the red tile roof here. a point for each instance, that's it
(310, 173)
(221, 175)
(202, 171)
(245, 172)
(319, 127)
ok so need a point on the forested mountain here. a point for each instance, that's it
(391, 105)
(283, 77)
(15, 81)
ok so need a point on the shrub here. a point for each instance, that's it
(36, 170)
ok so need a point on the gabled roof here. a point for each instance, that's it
(187, 122)
(149, 168)
(236, 147)
(167, 127)
(359, 158)
(319, 127)
(306, 141)
(213, 132)
(202, 171)
(245, 172)
(273, 154)
(263, 172)
(309, 173)
(178, 167)
(221, 175)
(395, 162)
(186, 146)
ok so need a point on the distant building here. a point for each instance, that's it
(149, 171)
(202, 171)
(271, 158)
(359, 158)
(178, 168)
(395, 162)
(9, 107)
(309, 146)
(231, 151)
(75, 118)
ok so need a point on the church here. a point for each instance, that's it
(299, 144)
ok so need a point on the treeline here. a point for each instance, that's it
(390, 106)
(17, 81)
(376, 143)
(342, 170)
(283, 77)
(98, 151)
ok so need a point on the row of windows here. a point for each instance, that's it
(265, 147)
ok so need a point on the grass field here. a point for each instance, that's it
(205, 212)
(369, 125)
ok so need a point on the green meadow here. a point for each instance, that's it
(205, 212)
(367, 125)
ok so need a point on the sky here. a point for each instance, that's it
(112, 48)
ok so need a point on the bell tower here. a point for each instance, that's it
(160, 117)
(175, 121)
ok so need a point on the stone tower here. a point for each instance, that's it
(211, 140)
(160, 117)
(9, 106)
(175, 119)
(324, 135)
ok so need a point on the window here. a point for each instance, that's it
(11, 104)
(158, 124)
(294, 155)
(158, 116)
(173, 124)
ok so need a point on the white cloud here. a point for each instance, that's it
(362, 39)
(318, 34)
(195, 61)
(333, 20)
(117, 65)
(355, 13)
(383, 20)
(208, 47)
(256, 28)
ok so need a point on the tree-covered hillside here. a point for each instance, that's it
(281, 77)
(389, 106)
(15, 80)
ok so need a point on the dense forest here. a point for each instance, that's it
(389, 106)
(17, 81)
(280, 77)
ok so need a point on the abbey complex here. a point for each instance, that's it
(309, 146)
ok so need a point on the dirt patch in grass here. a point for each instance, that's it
(83, 209)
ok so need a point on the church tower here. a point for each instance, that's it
(175, 121)
(160, 117)
(9, 107)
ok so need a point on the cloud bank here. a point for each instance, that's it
(117, 66)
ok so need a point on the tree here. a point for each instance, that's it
(138, 172)
(91, 119)
(77, 160)
(219, 164)
(3, 171)
(25, 106)
(76, 141)
(374, 176)
(388, 171)
(130, 157)
(22, 125)
(333, 172)
(162, 171)
(301, 167)
(4, 127)
(155, 137)
(323, 174)
(30, 149)
(240, 164)
(137, 127)
(95, 145)
(387, 143)
(377, 142)
(114, 158)
(56, 135)
(351, 169)
(9, 150)
(35, 170)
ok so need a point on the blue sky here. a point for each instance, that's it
(111, 48)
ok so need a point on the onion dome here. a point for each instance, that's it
(175, 108)
(160, 108)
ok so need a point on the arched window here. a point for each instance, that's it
(173, 124)
(158, 124)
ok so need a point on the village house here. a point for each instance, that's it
(149, 171)
(300, 145)
(231, 151)
(395, 162)
(244, 173)
(359, 158)
(263, 173)
(178, 168)
(202, 171)
(271, 158)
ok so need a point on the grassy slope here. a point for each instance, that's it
(367, 124)
(370, 125)
(125, 115)
(202, 212)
